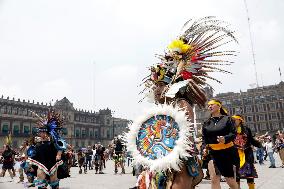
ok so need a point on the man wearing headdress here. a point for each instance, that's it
(48, 150)
(179, 80)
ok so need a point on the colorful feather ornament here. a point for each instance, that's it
(193, 55)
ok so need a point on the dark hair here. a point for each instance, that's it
(223, 111)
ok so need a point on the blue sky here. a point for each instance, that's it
(96, 52)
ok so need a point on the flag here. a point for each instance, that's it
(280, 72)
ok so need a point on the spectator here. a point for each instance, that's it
(269, 148)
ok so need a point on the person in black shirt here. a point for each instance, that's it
(118, 156)
(89, 155)
(218, 135)
(46, 154)
(99, 157)
(8, 162)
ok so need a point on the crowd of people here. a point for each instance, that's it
(84, 158)
(239, 147)
(95, 157)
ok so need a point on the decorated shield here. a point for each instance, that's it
(160, 138)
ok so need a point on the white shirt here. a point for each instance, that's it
(269, 147)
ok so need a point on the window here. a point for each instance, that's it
(83, 133)
(247, 100)
(77, 133)
(273, 116)
(268, 98)
(77, 118)
(9, 110)
(248, 109)
(108, 122)
(96, 133)
(260, 107)
(15, 111)
(16, 129)
(262, 126)
(238, 110)
(91, 133)
(5, 128)
(260, 117)
(275, 126)
(4, 109)
(26, 129)
(237, 102)
(273, 97)
(251, 126)
(108, 134)
(272, 106)
(249, 118)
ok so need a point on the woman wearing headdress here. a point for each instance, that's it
(243, 142)
(218, 133)
(179, 80)
(46, 154)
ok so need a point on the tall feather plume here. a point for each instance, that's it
(205, 37)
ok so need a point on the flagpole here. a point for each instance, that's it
(280, 74)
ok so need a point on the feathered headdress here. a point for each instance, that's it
(51, 123)
(189, 59)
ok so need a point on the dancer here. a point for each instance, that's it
(244, 142)
(81, 161)
(99, 158)
(8, 161)
(48, 150)
(22, 157)
(218, 134)
(165, 138)
(118, 155)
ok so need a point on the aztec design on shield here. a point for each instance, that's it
(157, 136)
(159, 139)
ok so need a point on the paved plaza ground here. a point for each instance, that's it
(268, 179)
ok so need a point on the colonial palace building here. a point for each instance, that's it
(81, 128)
(262, 107)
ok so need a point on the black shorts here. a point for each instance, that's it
(225, 160)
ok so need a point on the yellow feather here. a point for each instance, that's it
(179, 46)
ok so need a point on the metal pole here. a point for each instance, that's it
(251, 42)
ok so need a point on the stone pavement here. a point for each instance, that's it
(269, 178)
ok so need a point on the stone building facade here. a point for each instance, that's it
(262, 107)
(81, 127)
